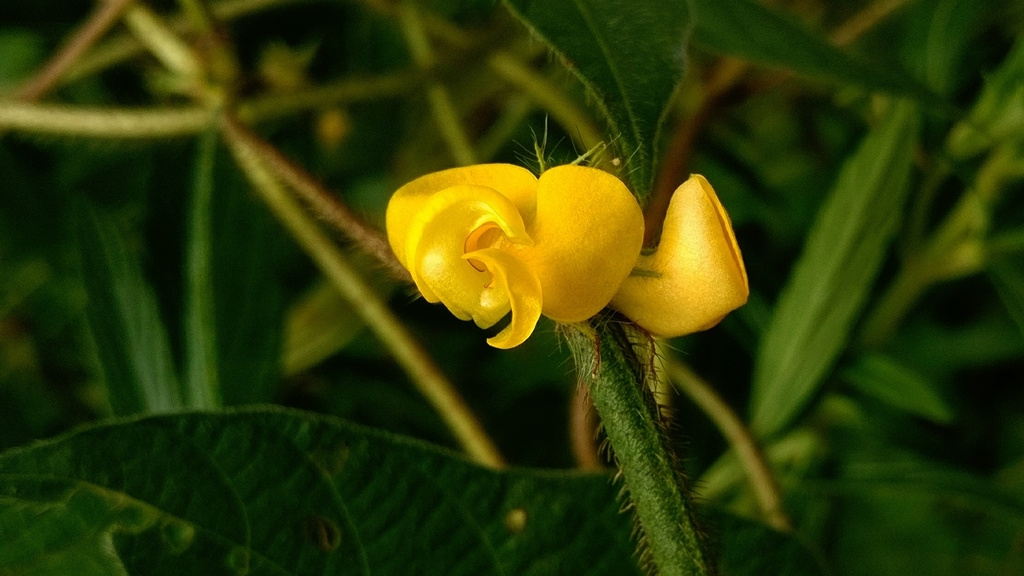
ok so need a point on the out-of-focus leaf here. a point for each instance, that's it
(267, 491)
(630, 55)
(200, 323)
(844, 250)
(323, 322)
(318, 325)
(908, 520)
(1009, 283)
(248, 297)
(885, 379)
(752, 31)
(940, 33)
(752, 549)
(20, 53)
(998, 113)
(125, 323)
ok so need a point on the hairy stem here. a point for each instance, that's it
(759, 473)
(103, 122)
(655, 484)
(323, 202)
(425, 375)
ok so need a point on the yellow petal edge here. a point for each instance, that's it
(696, 276)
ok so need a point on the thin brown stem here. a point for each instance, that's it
(583, 431)
(102, 18)
(422, 370)
(324, 203)
(759, 473)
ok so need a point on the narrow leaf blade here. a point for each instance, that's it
(631, 56)
(200, 323)
(125, 322)
(885, 379)
(751, 31)
(844, 250)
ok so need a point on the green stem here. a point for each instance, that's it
(103, 122)
(759, 473)
(571, 117)
(651, 472)
(448, 121)
(425, 375)
(125, 46)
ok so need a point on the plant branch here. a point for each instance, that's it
(126, 46)
(759, 473)
(103, 122)
(103, 17)
(607, 362)
(425, 375)
(324, 203)
(162, 42)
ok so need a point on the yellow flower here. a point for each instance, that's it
(491, 239)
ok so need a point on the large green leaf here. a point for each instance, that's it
(630, 55)
(125, 322)
(751, 31)
(844, 250)
(278, 492)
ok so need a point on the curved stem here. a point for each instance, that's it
(573, 119)
(425, 375)
(759, 473)
(103, 122)
(653, 479)
(325, 203)
(125, 46)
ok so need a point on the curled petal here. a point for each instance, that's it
(521, 289)
(696, 276)
(436, 242)
(587, 233)
(517, 184)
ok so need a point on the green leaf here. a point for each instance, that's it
(824, 294)
(752, 549)
(200, 323)
(630, 55)
(1009, 283)
(125, 323)
(751, 31)
(885, 379)
(22, 51)
(269, 491)
(998, 114)
(248, 298)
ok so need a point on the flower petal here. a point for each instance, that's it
(436, 242)
(514, 182)
(587, 234)
(522, 290)
(696, 276)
